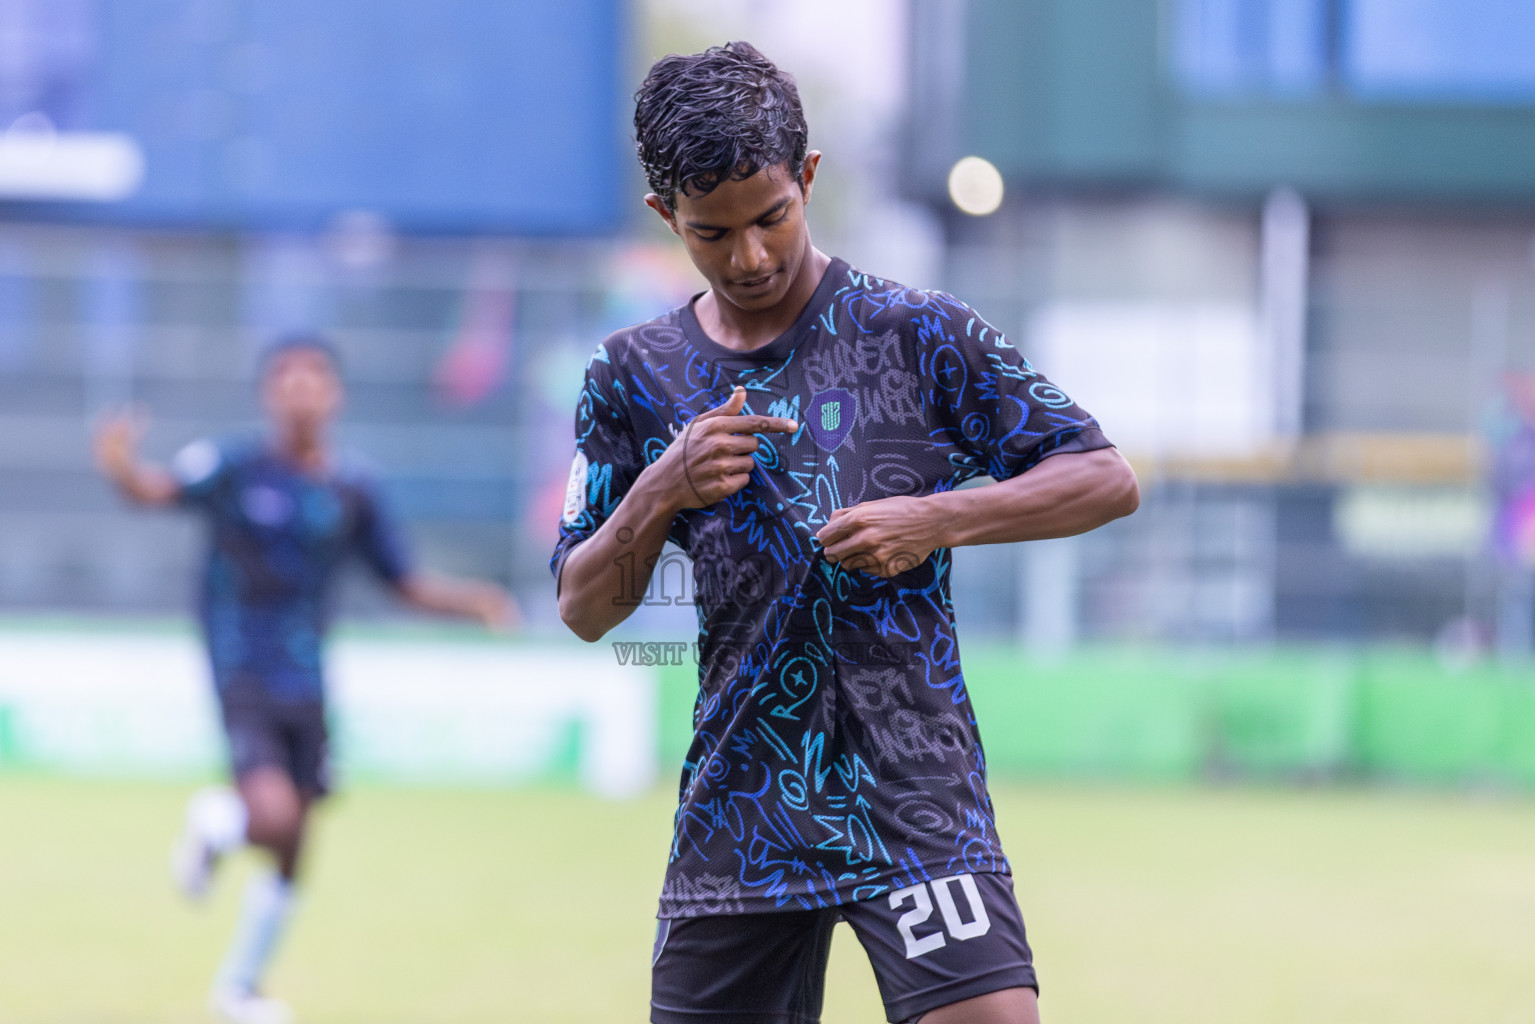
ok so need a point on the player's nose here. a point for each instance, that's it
(749, 254)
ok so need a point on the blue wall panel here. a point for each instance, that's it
(448, 115)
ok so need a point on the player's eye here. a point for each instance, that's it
(709, 236)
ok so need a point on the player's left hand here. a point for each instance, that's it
(497, 610)
(884, 537)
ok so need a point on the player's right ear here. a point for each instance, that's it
(657, 204)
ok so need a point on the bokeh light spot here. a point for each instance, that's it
(975, 185)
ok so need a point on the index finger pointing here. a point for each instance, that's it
(762, 425)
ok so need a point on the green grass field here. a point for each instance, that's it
(1144, 905)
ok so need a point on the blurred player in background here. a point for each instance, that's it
(284, 512)
(800, 429)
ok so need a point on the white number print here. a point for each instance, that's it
(922, 909)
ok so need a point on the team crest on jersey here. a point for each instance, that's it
(831, 417)
(575, 489)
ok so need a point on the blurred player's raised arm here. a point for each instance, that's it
(116, 445)
(379, 540)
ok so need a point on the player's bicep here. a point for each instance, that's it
(606, 463)
(1005, 414)
(1044, 421)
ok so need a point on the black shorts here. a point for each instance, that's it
(930, 945)
(275, 734)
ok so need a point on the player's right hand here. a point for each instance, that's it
(117, 438)
(712, 458)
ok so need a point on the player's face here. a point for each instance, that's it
(302, 389)
(748, 238)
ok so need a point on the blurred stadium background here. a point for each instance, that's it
(1273, 758)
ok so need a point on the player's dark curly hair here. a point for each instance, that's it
(706, 118)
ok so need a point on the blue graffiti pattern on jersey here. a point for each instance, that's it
(277, 537)
(835, 754)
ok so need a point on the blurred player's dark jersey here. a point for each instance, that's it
(278, 537)
(835, 754)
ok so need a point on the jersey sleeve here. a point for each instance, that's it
(1002, 415)
(378, 537)
(201, 470)
(607, 459)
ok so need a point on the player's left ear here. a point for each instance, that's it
(658, 204)
(807, 173)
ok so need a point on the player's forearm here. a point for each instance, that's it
(1062, 496)
(468, 599)
(142, 483)
(605, 576)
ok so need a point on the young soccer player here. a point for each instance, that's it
(800, 429)
(283, 512)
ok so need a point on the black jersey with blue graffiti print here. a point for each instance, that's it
(277, 536)
(835, 754)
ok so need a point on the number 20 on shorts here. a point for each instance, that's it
(922, 909)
